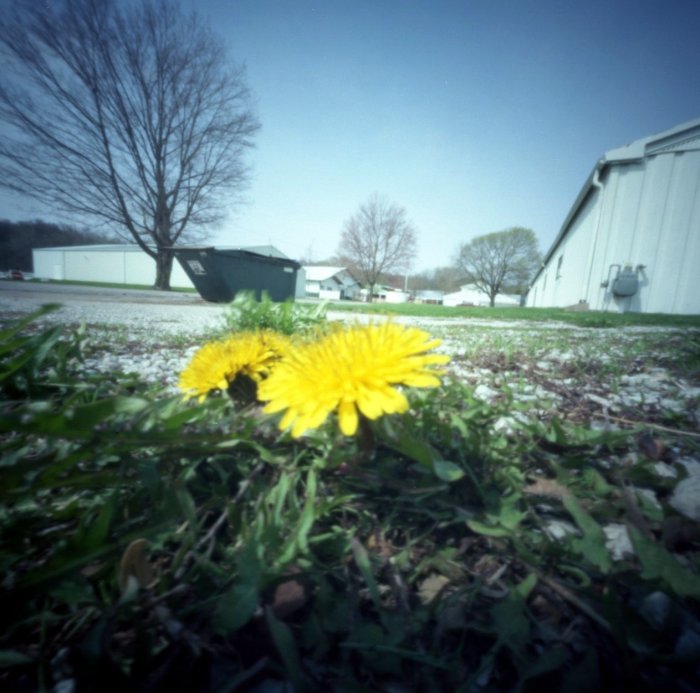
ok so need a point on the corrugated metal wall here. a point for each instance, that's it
(102, 265)
(647, 214)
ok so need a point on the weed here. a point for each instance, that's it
(247, 313)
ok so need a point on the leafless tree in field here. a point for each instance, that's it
(129, 114)
(377, 239)
(500, 260)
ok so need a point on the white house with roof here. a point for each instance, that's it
(471, 295)
(631, 241)
(330, 283)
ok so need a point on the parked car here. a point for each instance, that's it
(15, 274)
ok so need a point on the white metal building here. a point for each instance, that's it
(631, 241)
(109, 263)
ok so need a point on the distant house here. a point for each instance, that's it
(386, 294)
(631, 241)
(330, 283)
(470, 295)
(428, 296)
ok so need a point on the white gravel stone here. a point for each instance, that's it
(484, 392)
(692, 466)
(602, 401)
(686, 498)
(618, 541)
(665, 470)
(560, 529)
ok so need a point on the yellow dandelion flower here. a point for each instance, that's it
(352, 371)
(216, 365)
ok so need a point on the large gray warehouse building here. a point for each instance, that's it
(631, 241)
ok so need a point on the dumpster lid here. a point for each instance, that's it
(238, 252)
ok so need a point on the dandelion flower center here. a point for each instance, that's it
(218, 364)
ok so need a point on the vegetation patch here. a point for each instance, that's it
(150, 543)
(573, 317)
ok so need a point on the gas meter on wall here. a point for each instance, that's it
(626, 283)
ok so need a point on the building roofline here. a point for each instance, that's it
(687, 133)
(330, 272)
(107, 247)
(134, 247)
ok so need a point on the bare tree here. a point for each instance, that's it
(129, 114)
(376, 240)
(443, 279)
(500, 260)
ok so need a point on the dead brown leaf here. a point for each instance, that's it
(549, 488)
(134, 563)
(431, 587)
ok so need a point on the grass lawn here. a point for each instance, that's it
(577, 318)
(582, 318)
(111, 285)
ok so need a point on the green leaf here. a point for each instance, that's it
(487, 530)
(657, 563)
(308, 515)
(75, 421)
(415, 449)
(299, 540)
(511, 623)
(510, 517)
(235, 607)
(361, 557)
(97, 533)
(595, 480)
(592, 544)
(12, 658)
(525, 587)
(286, 646)
(46, 346)
(447, 471)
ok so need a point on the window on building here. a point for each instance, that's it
(559, 264)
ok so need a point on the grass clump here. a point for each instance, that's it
(153, 544)
(245, 313)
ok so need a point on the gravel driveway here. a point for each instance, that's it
(157, 311)
(154, 333)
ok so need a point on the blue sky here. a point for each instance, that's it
(474, 115)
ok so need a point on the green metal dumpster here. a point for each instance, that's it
(219, 274)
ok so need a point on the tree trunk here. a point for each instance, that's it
(164, 266)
